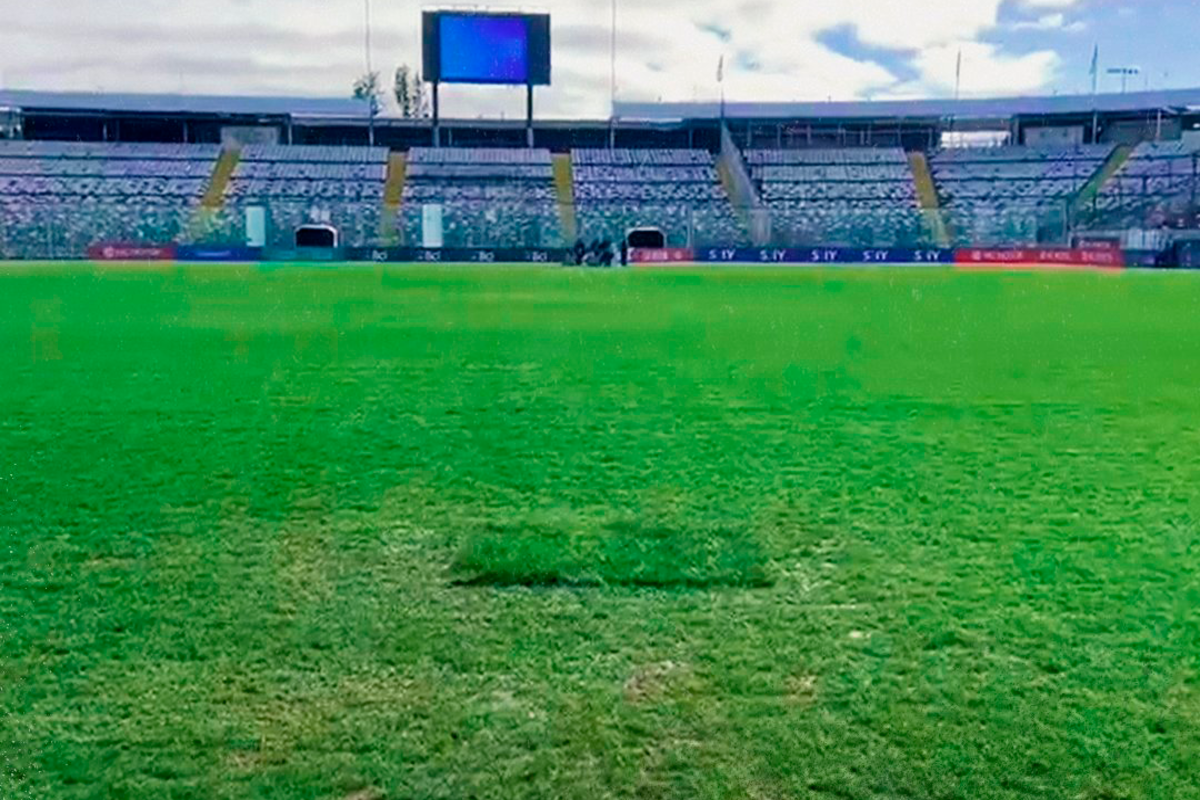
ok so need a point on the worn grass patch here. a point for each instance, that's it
(614, 552)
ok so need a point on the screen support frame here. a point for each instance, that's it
(529, 115)
(437, 115)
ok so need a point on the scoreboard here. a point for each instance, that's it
(486, 48)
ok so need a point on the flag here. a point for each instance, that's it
(721, 69)
(958, 74)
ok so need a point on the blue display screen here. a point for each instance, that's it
(484, 49)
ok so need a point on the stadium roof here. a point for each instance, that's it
(183, 104)
(993, 108)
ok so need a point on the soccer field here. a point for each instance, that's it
(382, 533)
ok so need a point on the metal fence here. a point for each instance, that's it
(57, 230)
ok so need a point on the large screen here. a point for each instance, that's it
(469, 47)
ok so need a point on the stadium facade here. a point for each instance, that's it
(81, 169)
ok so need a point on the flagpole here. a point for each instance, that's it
(721, 81)
(958, 77)
(957, 94)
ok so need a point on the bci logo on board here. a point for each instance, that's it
(429, 255)
(485, 257)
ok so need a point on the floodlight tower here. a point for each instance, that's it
(1126, 73)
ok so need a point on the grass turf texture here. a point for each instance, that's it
(908, 534)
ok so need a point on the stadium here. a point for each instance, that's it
(706, 182)
(333, 468)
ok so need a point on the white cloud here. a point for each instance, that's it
(1050, 22)
(1039, 4)
(985, 70)
(315, 47)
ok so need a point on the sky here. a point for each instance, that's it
(667, 50)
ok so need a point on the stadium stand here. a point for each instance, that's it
(342, 186)
(1160, 180)
(677, 190)
(489, 197)
(853, 196)
(1008, 195)
(810, 173)
(57, 198)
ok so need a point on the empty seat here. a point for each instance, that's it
(675, 190)
(56, 198)
(1012, 195)
(341, 186)
(845, 196)
(490, 197)
(1159, 180)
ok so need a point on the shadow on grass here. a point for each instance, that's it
(617, 552)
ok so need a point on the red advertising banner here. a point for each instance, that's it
(975, 255)
(1102, 257)
(131, 252)
(669, 255)
(1041, 257)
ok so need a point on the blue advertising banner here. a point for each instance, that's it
(206, 252)
(451, 255)
(303, 254)
(823, 255)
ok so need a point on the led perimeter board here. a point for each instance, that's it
(476, 47)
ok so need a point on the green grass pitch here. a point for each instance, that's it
(380, 533)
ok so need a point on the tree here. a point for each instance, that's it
(403, 90)
(409, 90)
(419, 101)
(367, 89)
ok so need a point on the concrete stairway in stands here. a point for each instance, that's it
(927, 197)
(393, 197)
(564, 189)
(213, 199)
(1111, 166)
(739, 188)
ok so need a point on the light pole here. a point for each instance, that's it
(367, 33)
(372, 84)
(1126, 73)
(612, 82)
(612, 66)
